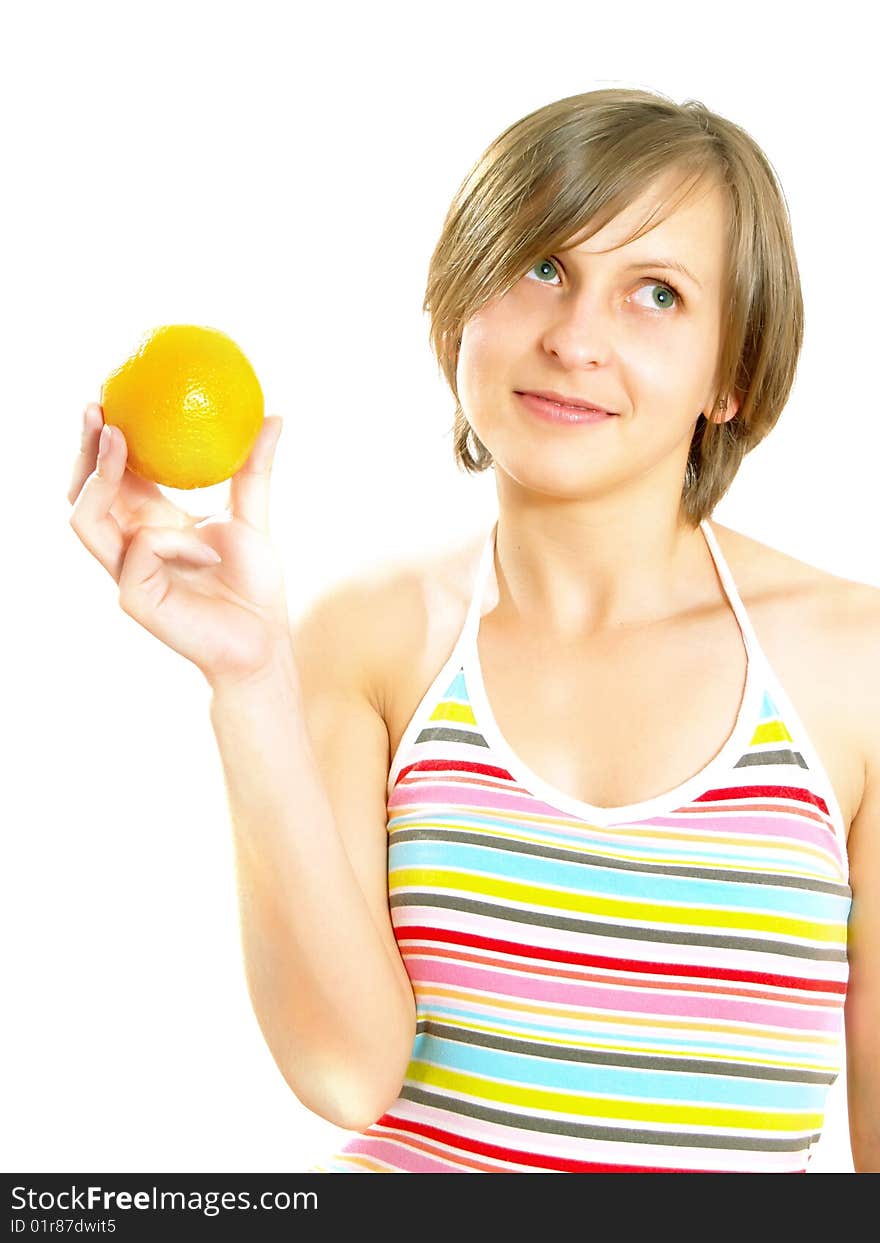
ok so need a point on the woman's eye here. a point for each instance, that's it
(542, 264)
(662, 296)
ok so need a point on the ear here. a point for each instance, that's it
(724, 416)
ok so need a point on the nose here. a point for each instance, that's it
(580, 333)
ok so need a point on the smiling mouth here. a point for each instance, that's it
(562, 399)
(556, 412)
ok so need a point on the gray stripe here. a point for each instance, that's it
(622, 865)
(556, 1126)
(623, 932)
(786, 756)
(564, 1053)
(445, 733)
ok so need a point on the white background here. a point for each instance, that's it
(281, 172)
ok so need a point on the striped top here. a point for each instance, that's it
(656, 987)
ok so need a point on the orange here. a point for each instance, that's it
(189, 405)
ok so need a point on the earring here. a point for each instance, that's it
(721, 405)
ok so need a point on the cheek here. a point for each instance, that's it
(479, 356)
(668, 367)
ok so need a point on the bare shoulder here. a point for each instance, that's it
(386, 618)
(768, 575)
(827, 623)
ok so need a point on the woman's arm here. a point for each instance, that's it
(324, 974)
(862, 1015)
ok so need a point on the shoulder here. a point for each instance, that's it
(770, 576)
(834, 621)
(380, 618)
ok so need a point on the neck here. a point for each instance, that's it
(570, 569)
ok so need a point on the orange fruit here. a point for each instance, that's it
(189, 405)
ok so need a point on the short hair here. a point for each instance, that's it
(576, 163)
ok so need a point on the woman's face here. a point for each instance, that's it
(615, 329)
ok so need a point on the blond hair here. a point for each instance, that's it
(579, 161)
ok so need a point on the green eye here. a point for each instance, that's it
(542, 263)
(666, 297)
(669, 295)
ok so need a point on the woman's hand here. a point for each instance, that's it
(228, 617)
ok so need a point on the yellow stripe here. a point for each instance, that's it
(612, 908)
(451, 711)
(770, 731)
(612, 1107)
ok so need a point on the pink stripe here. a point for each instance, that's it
(584, 942)
(582, 1148)
(792, 823)
(398, 1155)
(629, 1000)
(795, 823)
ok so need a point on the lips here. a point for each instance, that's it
(563, 399)
(554, 413)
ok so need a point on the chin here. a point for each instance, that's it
(558, 475)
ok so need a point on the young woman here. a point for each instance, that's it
(580, 871)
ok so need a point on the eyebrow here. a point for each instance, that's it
(671, 265)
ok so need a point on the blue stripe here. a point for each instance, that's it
(430, 816)
(607, 881)
(617, 1081)
(608, 1042)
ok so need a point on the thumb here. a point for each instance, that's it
(249, 487)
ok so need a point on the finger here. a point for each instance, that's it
(90, 517)
(143, 582)
(136, 496)
(144, 500)
(249, 488)
(84, 463)
(137, 490)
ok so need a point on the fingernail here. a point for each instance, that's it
(104, 443)
(87, 428)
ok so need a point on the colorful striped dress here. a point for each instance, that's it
(656, 987)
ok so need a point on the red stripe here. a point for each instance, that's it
(465, 766)
(414, 932)
(798, 793)
(723, 794)
(540, 1161)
